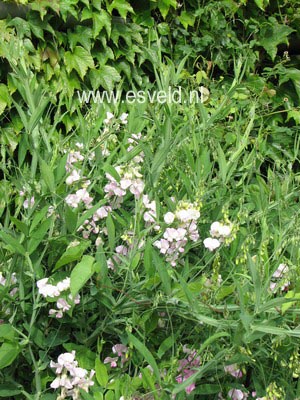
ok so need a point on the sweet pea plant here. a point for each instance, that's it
(149, 251)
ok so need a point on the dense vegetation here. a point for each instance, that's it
(149, 249)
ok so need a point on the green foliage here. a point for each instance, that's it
(234, 156)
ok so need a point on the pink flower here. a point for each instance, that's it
(112, 361)
(233, 370)
(28, 203)
(237, 394)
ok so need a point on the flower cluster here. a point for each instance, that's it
(187, 368)
(70, 378)
(237, 394)
(48, 290)
(90, 226)
(82, 194)
(29, 201)
(219, 233)
(149, 215)
(121, 352)
(112, 120)
(184, 228)
(108, 138)
(279, 279)
(12, 281)
(130, 179)
(233, 370)
(129, 176)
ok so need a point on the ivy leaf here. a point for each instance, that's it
(272, 34)
(100, 21)
(164, 6)
(82, 35)
(262, 4)
(80, 60)
(123, 7)
(105, 76)
(186, 19)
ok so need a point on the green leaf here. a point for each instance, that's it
(101, 20)
(85, 357)
(272, 34)
(38, 216)
(207, 388)
(8, 390)
(148, 263)
(105, 76)
(164, 6)
(80, 60)
(101, 373)
(224, 291)
(186, 19)
(122, 6)
(73, 253)
(8, 353)
(38, 236)
(223, 167)
(166, 345)
(5, 99)
(290, 295)
(22, 227)
(12, 243)
(272, 330)
(81, 274)
(212, 339)
(6, 332)
(163, 272)
(142, 349)
(111, 232)
(262, 4)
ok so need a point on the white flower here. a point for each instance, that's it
(169, 218)
(109, 117)
(237, 394)
(74, 177)
(102, 212)
(280, 271)
(211, 244)
(220, 231)
(174, 234)
(137, 187)
(2, 280)
(204, 94)
(225, 231)
(123, 118)
(62, 305)
(148, 217)
(55, 384)
(187, 215)
(122, 250)
(64, 284)
(47, 290)
(98, 241)
(215, 229)
(125, 183)
(163, 245)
